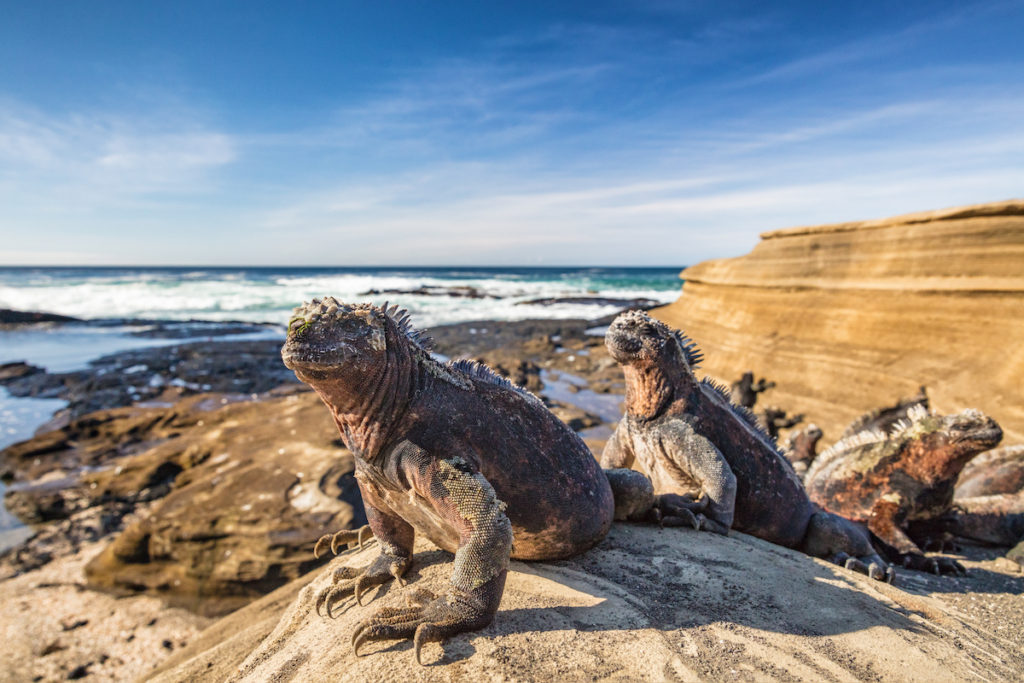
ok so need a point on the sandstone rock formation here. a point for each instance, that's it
(645, 604)
(851, 316)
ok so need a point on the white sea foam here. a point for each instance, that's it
(269, 297)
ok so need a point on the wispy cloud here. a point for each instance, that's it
(569, 143)
(105, 155)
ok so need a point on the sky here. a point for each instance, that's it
(490, 133)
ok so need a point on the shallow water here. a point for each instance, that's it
(66, 348)
(558, 387)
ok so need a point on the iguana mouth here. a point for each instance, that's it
(300, 356)
(985, 435)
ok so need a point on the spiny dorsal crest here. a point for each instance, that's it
(840, 448)
(740, 411)
(690, 349)
(476, 370)
(403, 322)
(915, 414)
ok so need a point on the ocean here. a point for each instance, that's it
(268, 295)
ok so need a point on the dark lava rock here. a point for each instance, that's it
(11, 317)
(164, 374)
(593, 301)
(457, 291)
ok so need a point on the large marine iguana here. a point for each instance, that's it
(458, 454)
(690, 439)
(890, 480)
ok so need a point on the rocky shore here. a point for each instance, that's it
(191, 481)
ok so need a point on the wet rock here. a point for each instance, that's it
(458, 291)
(576, 418)
(643, 304)
(12, 317)
(162, 374)
(17, 370)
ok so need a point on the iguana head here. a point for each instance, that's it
(635, 338)
(940, 445)
(327, 337)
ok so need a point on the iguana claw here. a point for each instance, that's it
(349, 580)
(344, 536)
(427, 619)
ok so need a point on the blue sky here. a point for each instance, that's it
(535, 133)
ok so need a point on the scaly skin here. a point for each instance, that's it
(457, 454)
(988, 501)
(686, 435)
(891, 481)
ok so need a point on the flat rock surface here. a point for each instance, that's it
(52, 626)
(646, 604)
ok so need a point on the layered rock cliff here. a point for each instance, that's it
(850, 316)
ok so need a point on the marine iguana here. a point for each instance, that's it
(988, 501)
(801, 447)
(744, 391)
(456, 453)
(687, 436)
(907, 475)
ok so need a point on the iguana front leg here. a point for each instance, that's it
(617, 452)
(464, 499)
(694, 456)
(886, 522)
(395, 536)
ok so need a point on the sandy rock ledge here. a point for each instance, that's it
(646, 604)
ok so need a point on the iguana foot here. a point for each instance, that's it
(935, 565)
(672, 510)
(707, 524)
(352, 580)
(431, 619)
(871, 565)
(343, 537)
(940, 544)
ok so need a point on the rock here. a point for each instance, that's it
(17, 370)
(455, 291)
(576, 418)
(645, 604)
(160, 374)
(11, 317)
(591, 301)
(220, 500)
(1016, 553)
(994, 472)
(269, 481)
(845, 316)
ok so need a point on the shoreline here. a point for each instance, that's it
(173, 450)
